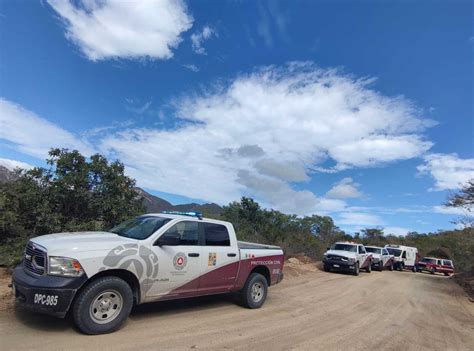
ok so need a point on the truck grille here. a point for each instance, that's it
(336, 258)
(34, 259)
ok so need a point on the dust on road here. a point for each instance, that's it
(309, 310)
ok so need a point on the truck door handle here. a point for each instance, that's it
(193, 254)
(231, 254)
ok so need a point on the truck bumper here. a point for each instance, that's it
(338, 265)
(377, 264)
(45, 294)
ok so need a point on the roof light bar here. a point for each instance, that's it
(181, 213)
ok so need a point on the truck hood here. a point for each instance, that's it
(341, 253)
(60, 243)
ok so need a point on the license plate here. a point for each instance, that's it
(335, 265)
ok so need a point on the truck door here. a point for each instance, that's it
(220, 261)
(179, 260)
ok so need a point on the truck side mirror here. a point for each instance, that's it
(327, 248)
(168, 239)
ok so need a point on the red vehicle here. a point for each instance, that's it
(435, 265)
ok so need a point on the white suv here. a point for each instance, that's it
(347, 256)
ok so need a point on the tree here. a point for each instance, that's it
(464, 199)
(74, 193)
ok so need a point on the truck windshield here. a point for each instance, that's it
(140, 227)
(394, 252)
(373, 249)
(344, 247)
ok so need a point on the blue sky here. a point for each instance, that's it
(362, 110)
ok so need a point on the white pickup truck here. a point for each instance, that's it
(381, 258)
(100, 276)
(347, 256)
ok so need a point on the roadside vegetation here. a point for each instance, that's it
(76, 193)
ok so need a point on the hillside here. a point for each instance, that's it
(156, 204)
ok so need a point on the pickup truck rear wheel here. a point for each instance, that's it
(103, 305)
(368, 269)
(254, 293)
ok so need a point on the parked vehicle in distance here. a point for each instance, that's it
(435, 265)
(380, 258)
(405, 257)
(99, 276)
(347, 256)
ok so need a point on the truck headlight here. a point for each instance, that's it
(64, 266)
(352, 260)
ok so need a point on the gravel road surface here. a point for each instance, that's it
(309, 310)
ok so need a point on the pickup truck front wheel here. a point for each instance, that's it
(254, 293)
(103, 305)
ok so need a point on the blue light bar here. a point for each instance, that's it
(180, 213)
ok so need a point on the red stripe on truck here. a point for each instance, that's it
(223, 279)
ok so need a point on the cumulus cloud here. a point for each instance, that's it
(398, 231)
(346, 188)
(359, 219)
(32, 134)
(448, 170)
(272, 126)
(198, 38)
(261, 134)
(109, 29)
(14, 164)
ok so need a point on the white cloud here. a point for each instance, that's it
(198, 38)
(109, 29)
(262, 134)
(34, 135)
(191, 67)
(297, 115)
(398, 231)
(448, 170)
(346, 188)
(452, 210)
(14, 164)
(359, 219)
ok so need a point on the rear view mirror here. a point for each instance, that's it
(168, 239)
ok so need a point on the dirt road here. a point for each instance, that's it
(309, 310)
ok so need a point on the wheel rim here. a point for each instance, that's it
(257, 291)
(106, 306)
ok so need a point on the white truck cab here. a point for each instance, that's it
(99, 276)
(405, 257)
(347, 256)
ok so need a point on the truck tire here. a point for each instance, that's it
(368, 269)
(381, 266)
(327, 268)
(433, 270)
(391, 268)
(356, 269)
(254, 293)
(103, 305)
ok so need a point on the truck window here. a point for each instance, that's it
(216, 234)
(187, 231)
(361, 249)
(404, 254)
(384, 252)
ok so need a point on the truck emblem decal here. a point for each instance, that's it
(212, 259)
(180, 261)
(138, 259)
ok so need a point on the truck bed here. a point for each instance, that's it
(255, 246)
